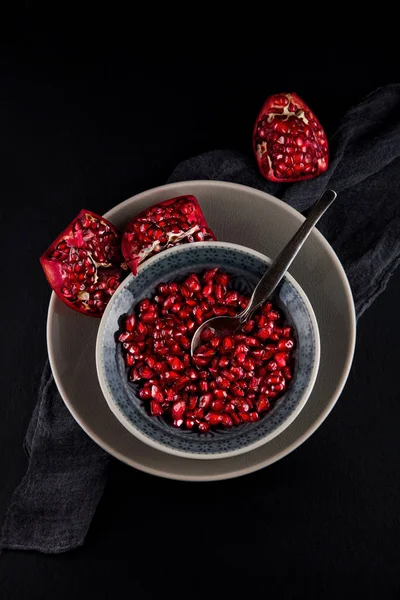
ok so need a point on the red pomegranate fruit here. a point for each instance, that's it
(84, 265)
(289, 141)
(161, 226)
(230, 380)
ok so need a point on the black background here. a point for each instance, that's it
(90, 115)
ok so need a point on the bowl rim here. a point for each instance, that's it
(192, 455)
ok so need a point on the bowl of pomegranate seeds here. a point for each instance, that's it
(238, 391)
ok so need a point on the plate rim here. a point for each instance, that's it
(246, 469)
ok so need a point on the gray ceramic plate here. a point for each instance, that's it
(251, 218)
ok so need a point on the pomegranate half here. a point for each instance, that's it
(84, 265)
(161, 226)
(289, 141)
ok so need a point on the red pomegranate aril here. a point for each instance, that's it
(286, 332)
(231, 300)
(244, 416)
(129, 360)
(218, 405)
(272, 365)
(222, 382)
(190, 423)
(205, 400)
(280, 359)
(240, 358)
(273, 315)
(146, 372)
(236, 372)
(277, 387)
(249, 364)
(287, 373)
(215, 342)
(182, 382)
(220, 394)
(263, 404)
(203, 386)
(199, 413)
(236, 419)
(227, 375)
(175, 363)
(203, 427)
(178, 409)
(226, 421)
(145, 393)
(286, 344)
(171, 376)
(213, 418)
(265, 332)
(254, 416)
(126, 336)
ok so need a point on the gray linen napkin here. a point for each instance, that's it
(52, 508)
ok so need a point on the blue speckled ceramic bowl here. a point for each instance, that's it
(246, 267)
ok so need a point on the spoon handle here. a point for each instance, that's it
(278, 268)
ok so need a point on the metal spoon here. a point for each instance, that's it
(274, 274)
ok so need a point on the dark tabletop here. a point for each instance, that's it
(88, 125)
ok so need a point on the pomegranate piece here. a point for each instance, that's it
(84, 265)
(229, 381)
(289, 141)
(172, 222)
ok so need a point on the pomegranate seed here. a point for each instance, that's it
(280, 359)
(272, 365)
(205, 400)
(287, 373)
(156, 408)
(222, 382)
(249, 364)
(215, 342)
(213, 418)
(203, 386)
(182, 382)
(218, 406)
(219, 311)
(220, 394)
(189, 423)
(175, 363)
(231, 299)
(130, 323)
(286, 344)
(286, 332)
(156, 393)
(226, 421)
(236, 419)
(178, 409)
(145, 393)
(146, 372)
(203, 427)
(199, 413)
(263, 403)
